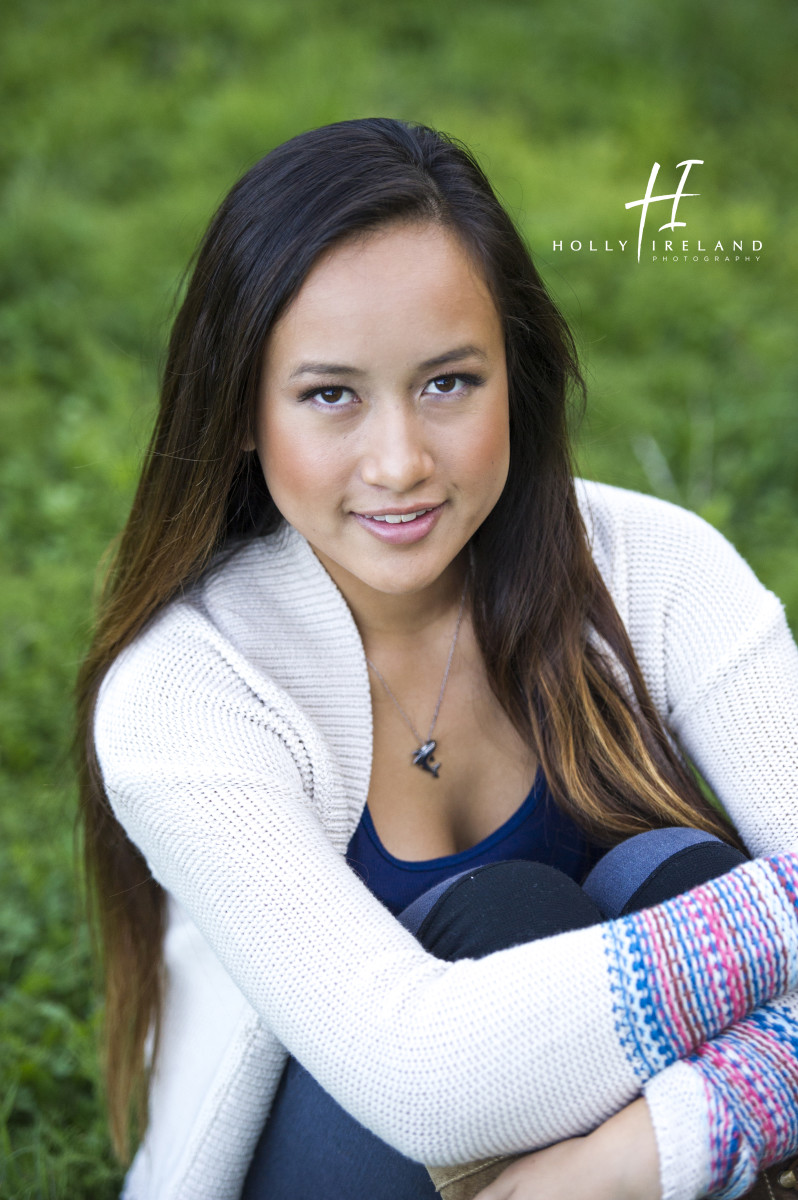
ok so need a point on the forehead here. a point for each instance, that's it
(402, 285)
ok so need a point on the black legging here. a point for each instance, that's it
(311, 1147)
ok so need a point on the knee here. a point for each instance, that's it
(504, 904)
(656, 866)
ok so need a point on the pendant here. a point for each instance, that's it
(423, 758)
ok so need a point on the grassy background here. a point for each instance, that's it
(123, 127)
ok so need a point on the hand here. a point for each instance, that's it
(617, 1161)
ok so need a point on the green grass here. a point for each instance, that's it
(123, 127)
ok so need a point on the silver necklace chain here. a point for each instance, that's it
(422, 757)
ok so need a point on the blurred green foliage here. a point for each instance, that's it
(123, 127)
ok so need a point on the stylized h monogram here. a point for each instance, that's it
(675, 197)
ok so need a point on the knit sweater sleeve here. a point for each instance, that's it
(724, 670)
(223, 784)
(730, 1108)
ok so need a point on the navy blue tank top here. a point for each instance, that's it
(538, 830)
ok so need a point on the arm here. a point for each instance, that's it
(737, 1112)
(731, 1108)
(723, 669)
(722, 666)
(221, 783)
(618, 1161)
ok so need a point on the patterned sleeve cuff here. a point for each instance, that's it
(678, 1103)
(751, 1078)
(728, 1110)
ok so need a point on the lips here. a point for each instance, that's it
(400, 528)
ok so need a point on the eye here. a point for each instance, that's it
(445, 383)
(451, 385)
(329, 397)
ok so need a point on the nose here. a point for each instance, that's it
(396, 454)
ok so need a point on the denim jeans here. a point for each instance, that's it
(311, 1148)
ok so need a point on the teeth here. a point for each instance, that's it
(395, 518)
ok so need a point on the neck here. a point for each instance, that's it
(382, 617)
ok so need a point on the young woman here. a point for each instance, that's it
(374, 687)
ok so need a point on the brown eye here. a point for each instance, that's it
(331, 395)
(454, 385)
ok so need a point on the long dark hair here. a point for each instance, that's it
(558, 657)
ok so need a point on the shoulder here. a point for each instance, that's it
(691, 604)
(186, 695)
(194, 645)
(642, 544)
(626, 528)
(182, 697)
(257, 669)
(243, 637)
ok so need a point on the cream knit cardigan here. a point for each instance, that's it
(234, 738)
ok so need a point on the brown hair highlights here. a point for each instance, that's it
(557, 654)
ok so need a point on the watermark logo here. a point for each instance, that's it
(676, 196)
(719, 249)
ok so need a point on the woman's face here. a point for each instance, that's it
(384, 396)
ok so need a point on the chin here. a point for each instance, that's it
(407, 578)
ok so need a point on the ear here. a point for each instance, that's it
(249, 445)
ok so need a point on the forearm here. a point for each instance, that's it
(691, 967)
(555, 1036)
(730, 1108)
(707, 1125)
(441, 1048)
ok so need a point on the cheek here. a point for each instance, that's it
(488, 456)
(298, 469)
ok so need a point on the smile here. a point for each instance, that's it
(400, 529)
(395, 518)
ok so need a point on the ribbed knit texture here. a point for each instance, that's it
(751, 1078)
(679, 972)
(750, 1072)
(234, 738)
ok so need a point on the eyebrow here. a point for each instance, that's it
(440, 360)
